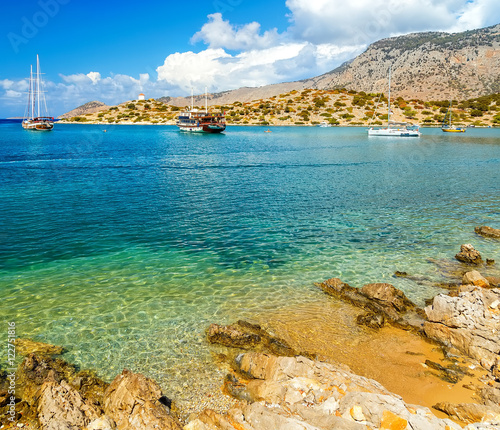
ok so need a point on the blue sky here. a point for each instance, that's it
(113, 50)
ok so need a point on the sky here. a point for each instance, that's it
(112, 50)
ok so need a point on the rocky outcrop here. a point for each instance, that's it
(56, 395)
(61, 407)
(470, 412)
(245, 335)
(383, 303)
(469, 255)
(288, 393)
(488, 232)
(25, 347)
(475, 278)
(470, 322)
(135, 402)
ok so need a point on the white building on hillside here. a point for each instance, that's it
(141, 97)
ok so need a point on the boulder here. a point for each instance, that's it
(388, 297)
(469, 255)
(135, 402)
(299, 393)
(469, 412)
(384, 303)
(245, 335)
(475, 278)
(61, 407)
(470, 322)
(488, 232)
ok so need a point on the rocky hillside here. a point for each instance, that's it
(426, 66)
(312, 107)
(89, 107)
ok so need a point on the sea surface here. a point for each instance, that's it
(124, 245)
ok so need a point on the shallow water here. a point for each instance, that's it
(123, 246)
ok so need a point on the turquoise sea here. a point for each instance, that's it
(123, 246)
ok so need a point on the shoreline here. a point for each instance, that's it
(398, 359)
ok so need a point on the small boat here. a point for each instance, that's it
(448, 128)
(395, 129)
(198, 121)
(35, 99)
(324, 124)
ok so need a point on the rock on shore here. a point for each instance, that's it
(288, 393)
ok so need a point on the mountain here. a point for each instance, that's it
(89, 107)
(426, 66)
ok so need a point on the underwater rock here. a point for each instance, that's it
(469, 255)
(488, 232)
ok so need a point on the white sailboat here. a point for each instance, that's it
(33, 120)
(396, 130)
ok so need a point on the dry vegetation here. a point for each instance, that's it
(312, 107)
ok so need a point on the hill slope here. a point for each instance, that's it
(89, 107)
(426, 66)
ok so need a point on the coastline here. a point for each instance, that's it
(410, 365)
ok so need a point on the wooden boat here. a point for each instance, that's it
(198, 121)
(35, 99)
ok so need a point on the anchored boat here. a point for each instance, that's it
(448, 128)
(395, 129)
(200, 121)
(35, 99)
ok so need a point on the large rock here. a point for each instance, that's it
(488, 232)
(135, 402)
(469, 322)
(475, 278)
(61, 407)
(469, 255)
(296, 393)
(383, 303)
(469, 412)
(245, 335)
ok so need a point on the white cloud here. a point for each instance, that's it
(477, 14)
(217, 33)
(13, 94)
(6, 84)
(94, 77)
(219, 70)
(365, 21)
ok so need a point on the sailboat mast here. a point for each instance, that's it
(389, 100)
(192, 99)
(38, 84)
(206, 100)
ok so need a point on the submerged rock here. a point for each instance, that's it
(488, 232)
(469, 255)
(245, 335)
(25, 347)
(384, 303)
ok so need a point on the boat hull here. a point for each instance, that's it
(453, 130)
(38, 126)
(393, 132)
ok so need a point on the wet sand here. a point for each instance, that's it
(391, 356)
